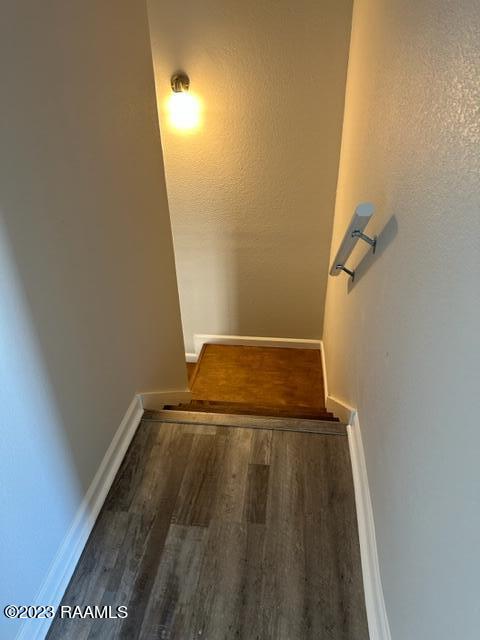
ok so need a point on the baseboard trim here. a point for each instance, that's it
(156, 400)
(191, 357)
(324, 372)
(374, 600)
(253, 341)
(64, 564)
(341, 409)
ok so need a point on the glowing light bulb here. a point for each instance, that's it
(184, 111)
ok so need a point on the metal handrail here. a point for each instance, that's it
(360, 219)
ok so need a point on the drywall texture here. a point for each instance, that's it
(252, 191)
(403, 344)
(89, 309)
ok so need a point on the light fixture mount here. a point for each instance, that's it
(180, 82)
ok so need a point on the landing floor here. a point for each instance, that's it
(224, 533)
(259, 376)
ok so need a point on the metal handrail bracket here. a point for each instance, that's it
(360, 219)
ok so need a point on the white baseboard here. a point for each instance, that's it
(64, 564)
(254, 341)
(375, 604)
(191, 357)
(324, 371)
(158, 399)
(341, 409)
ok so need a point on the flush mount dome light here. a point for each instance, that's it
(183, 107)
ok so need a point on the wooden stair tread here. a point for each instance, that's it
(320, 427)
(232, 403)
(240, 408)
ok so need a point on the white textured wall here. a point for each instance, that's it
(88, 303)
(403, 344)
(252, 192)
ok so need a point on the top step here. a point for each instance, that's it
(242, 408)
(324, 427)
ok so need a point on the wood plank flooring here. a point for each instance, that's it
(268, 376)
(224, 533)
(257, 381)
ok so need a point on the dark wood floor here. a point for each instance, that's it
(223, 533)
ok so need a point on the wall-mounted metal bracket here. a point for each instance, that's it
(361, 216)
(342, 267)
(371, 241)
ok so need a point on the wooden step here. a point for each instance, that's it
(324, 427)
(215, 406)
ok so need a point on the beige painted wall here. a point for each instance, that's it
(403, 343)
(88, 302)
(252, 192)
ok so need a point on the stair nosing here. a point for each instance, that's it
(317, 416)
(243, 408)
(322, 427)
